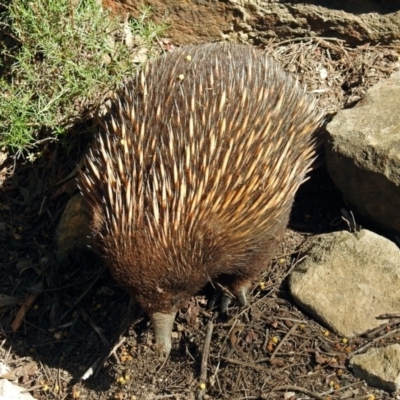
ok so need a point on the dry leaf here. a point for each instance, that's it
(320, 359)
(23, 371)
(251, 336)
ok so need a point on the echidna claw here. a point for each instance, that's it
(225, 299)
(213, 300)
(225, 302)
(241, 296)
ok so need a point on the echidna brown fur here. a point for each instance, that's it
(192, 176)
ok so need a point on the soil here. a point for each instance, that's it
(70, 332)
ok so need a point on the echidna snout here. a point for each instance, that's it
(193, 173)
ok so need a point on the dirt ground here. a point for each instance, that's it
(69, 332)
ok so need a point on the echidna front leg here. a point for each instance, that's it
(162, 325)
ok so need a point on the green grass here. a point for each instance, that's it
(66, 59)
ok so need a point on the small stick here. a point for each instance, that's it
(19, 318)
(373, 341)
(244, 364)
(206, 351)
(96, 328)
(97, 365)
(204, 359)
(341, 388)
(388, 316)
(299, 389)
(264, 345)
(291, 330)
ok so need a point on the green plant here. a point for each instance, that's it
(69, 56)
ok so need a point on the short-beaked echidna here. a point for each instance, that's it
(193, 174)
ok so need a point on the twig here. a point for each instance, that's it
(342, 388)
(96, 328)
(96, 366)
(359, 350)
(292, 267)
(264, 345)
(388, 316)
(291, 330)
(19, 318)
(206, 351)
(309, 38)
(296, 320)
(244, 364)
(299, 389)
(204, 359)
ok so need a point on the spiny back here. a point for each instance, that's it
(196, 165)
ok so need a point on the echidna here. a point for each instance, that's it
(193, 173)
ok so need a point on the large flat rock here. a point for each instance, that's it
(347, 280)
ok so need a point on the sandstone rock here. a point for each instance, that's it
(347, 280)
(194, 21)
(379, 367)
(363, 154)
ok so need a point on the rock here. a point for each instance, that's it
(10, 391)
(347, 280)
(195, 21)
(363, 154)
(379, 367)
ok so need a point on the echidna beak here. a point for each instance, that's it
(162, 325)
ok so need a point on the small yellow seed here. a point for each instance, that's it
(275, 339)
(189, 58)
(344, 340)
(202, 386)
(262, 285)
(181, 77)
